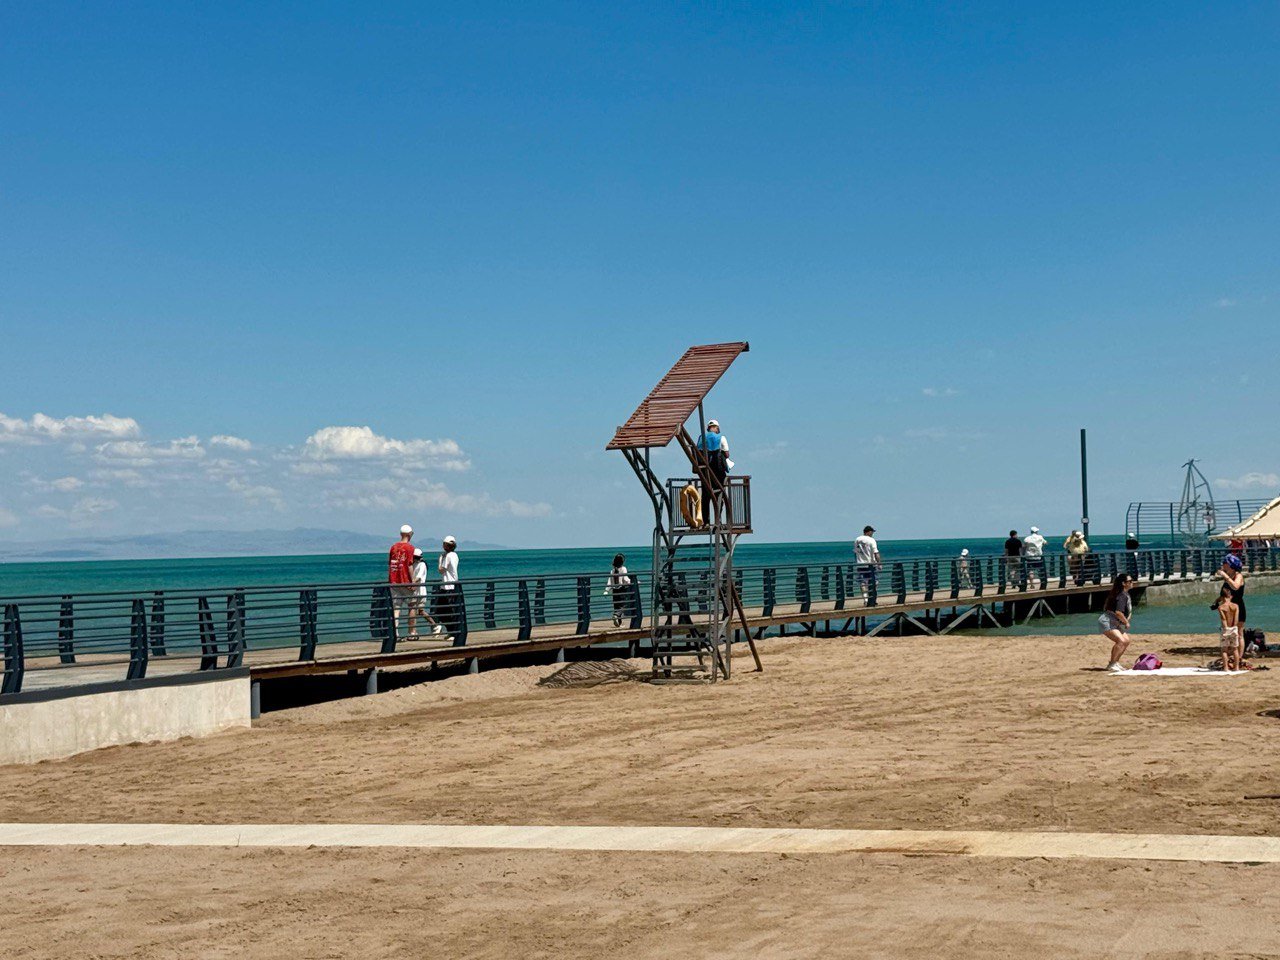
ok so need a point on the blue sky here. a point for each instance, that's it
(953, 236)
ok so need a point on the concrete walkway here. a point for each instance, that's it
(977, 843)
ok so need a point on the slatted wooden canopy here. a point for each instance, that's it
(663, 412)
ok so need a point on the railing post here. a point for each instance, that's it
(157, 625)
(802, 589)
(540, 601)
(637, 607)
(955, 579)
(490, 605)
(915, 574)
(14, 662)
(979, 584)
(900, 581)
(584, 605)
(236, 641)
(66, 632)
(307, 610)
(1003, 568)
(841, 596)
(458, 606)
(1063, 564)
(138, 647)
(526, 618)
(770, 591)
(930, 579)
(824, 584)
(208, 636)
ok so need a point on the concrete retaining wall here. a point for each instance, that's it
(51, 725)
(1173, 593)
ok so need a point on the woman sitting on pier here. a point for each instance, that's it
(1115, 619)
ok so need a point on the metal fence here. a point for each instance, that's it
(83, 638)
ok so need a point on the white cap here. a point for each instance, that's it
(406, 529)
(712, 423)
(451, 540)
(1035, 529)
(964, 552)
(416, 553)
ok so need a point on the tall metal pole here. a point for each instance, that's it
(1084, 485)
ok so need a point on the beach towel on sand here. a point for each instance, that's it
(1180, 672)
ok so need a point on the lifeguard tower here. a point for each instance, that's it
(695, 599)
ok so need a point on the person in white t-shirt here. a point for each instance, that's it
(867, 554)
(418, 608)
(448, 605)
(1033, 554)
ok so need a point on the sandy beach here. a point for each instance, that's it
(946, 733)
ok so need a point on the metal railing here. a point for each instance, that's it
(737, 505)
(72, 639)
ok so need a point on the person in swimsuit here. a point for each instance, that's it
(1232, 574)
(1229, 613)
(1115, 619)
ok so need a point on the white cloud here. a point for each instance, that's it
(7, 518)
(61, 484)
(361, 443)
(41, 428)
(91, 507)
(256, 493)
(142, 453)
(940, 392)
(313, 468)
(232, 443)
(389, 494)
(1253, 479)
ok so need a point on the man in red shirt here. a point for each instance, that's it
(400, 574)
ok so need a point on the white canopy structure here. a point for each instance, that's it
(1263, 525)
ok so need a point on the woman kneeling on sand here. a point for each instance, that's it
(1115, 619)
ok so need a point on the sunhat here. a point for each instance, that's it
(406, 529)
(451, 540)
(712, 423)
(1035, 529)
(416, 553)
(964, 552)
(1233, 562)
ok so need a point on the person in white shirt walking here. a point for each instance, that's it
(1033, 556)
(448, 606)
(419, 606)
(866, 552)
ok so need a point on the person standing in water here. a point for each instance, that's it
(1115, 619)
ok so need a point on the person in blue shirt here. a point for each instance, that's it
(716, 447)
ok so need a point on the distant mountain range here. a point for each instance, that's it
(212, 543)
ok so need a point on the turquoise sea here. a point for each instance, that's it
(54, 577)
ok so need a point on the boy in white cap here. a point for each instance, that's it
(419, 608)
(1033, 553)
(400, 576)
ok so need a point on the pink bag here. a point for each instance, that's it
(1148, 661)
